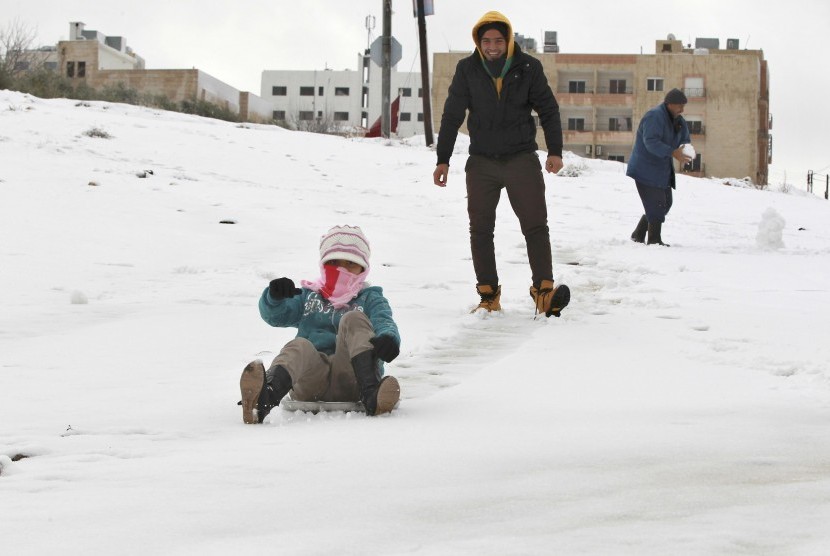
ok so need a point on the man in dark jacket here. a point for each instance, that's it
(660, 139)
(499, 85)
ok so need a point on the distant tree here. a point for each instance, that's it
(16, 54)
(45, 83)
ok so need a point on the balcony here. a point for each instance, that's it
(567, 89)
(622, 126)
(695, 93)
(610, 90)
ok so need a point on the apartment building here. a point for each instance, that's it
(603, 96)
(349, 99)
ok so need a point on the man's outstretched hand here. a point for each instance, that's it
(439, 176)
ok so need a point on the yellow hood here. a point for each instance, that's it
(491, 17)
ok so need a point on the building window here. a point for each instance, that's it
(619, 124)
(21, 66)
(320, 91)
(405, 117)
(279, 115)
(695, 127)
(278, 91)
(70, 69)
(306, 115)
(406, 92)
(306, 91)
(694, 165)
(420, 116)
(576, 86)
(51, 66)
(576, 124)
(319, 114)
(420, 92)
(81, 69)
(654, 84)
(617, 87)
(616, 157)
(341, 116)
(341, 91)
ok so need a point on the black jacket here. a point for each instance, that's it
(500, 125)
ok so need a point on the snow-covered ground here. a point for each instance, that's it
(679, 406)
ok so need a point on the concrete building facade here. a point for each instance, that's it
(102, 61)
(602, 98)
(344, 98)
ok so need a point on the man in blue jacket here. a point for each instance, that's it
(660, 139)
(499, 86)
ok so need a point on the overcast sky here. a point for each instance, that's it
(245, 37)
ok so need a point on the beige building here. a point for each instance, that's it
(103, 61)
(603, 96)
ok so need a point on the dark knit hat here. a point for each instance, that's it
(675, 96)
(499, 26)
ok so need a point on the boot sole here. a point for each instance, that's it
(561, 298)
(389, 392)
(250, 385)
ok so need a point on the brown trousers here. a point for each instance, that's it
(521, 176)
(316, 376)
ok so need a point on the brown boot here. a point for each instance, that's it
(489, 298)
(251, 384)
(550, 300)
(261, 390)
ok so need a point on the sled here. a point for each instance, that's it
(288, 404)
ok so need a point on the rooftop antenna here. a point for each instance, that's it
(370, 24)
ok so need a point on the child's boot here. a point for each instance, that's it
(261, 391)
(379, 395)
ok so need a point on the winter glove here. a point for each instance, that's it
(386, 347)
(281, 288)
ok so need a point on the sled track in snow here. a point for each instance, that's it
(479, 342)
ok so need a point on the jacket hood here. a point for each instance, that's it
(492, 17)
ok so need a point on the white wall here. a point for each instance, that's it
(217, 92)
(324, 105)
(327, 103)
(111, 59)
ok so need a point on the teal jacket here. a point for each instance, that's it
(317, 320)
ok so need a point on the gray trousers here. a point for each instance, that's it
(316, 376)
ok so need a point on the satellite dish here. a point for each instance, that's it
(671, 37)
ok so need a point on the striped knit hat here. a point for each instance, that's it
(347, 243)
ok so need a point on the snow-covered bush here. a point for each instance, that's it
(97, 132)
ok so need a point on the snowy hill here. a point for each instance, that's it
(679, 406)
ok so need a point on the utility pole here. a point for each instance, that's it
(386, 72)
(422, 39)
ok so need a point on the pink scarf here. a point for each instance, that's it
(337, 284)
